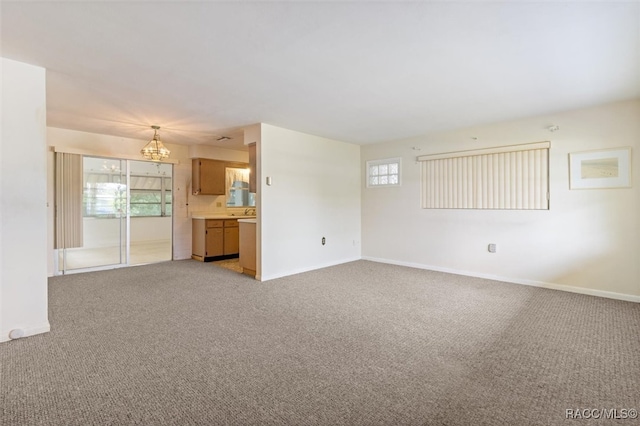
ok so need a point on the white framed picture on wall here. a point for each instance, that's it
(609, 168)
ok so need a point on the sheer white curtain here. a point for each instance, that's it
(234, 174)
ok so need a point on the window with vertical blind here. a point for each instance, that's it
(511, 178)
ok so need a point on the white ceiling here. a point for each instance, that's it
(361, 72)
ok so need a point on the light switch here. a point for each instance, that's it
(269, 180)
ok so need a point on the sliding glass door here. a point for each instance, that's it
(126, 215)
(150, 203)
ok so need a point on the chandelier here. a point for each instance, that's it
(155, 150)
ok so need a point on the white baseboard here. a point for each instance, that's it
(553, 286)
(29, 331)
(306, 269)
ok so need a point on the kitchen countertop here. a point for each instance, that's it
(220, 216)
(248, 220)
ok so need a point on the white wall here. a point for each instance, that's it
(589, 241)
(23, 250)
(315, 193)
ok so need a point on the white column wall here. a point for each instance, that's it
(23, 214)
(315, 193)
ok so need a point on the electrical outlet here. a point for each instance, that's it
(492, 248)
(324, 240)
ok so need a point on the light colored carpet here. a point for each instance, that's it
(185, 343)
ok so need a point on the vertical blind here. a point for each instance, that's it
(513, 177)
(68, 200)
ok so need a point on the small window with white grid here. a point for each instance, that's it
(383, 172)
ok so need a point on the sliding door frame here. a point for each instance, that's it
(124, 245)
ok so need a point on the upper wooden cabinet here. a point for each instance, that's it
(208, 176)
(252, 167)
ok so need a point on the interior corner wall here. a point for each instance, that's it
(588, 241)
(314, 193)
(23, 211)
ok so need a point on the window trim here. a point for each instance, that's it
(370, 163)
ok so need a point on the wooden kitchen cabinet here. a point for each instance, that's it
(231, 237)
(248, 247)
(209, 176)
(213, 238)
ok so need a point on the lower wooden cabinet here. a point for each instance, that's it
(213, 238)
(248, 248)
(231, 237)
